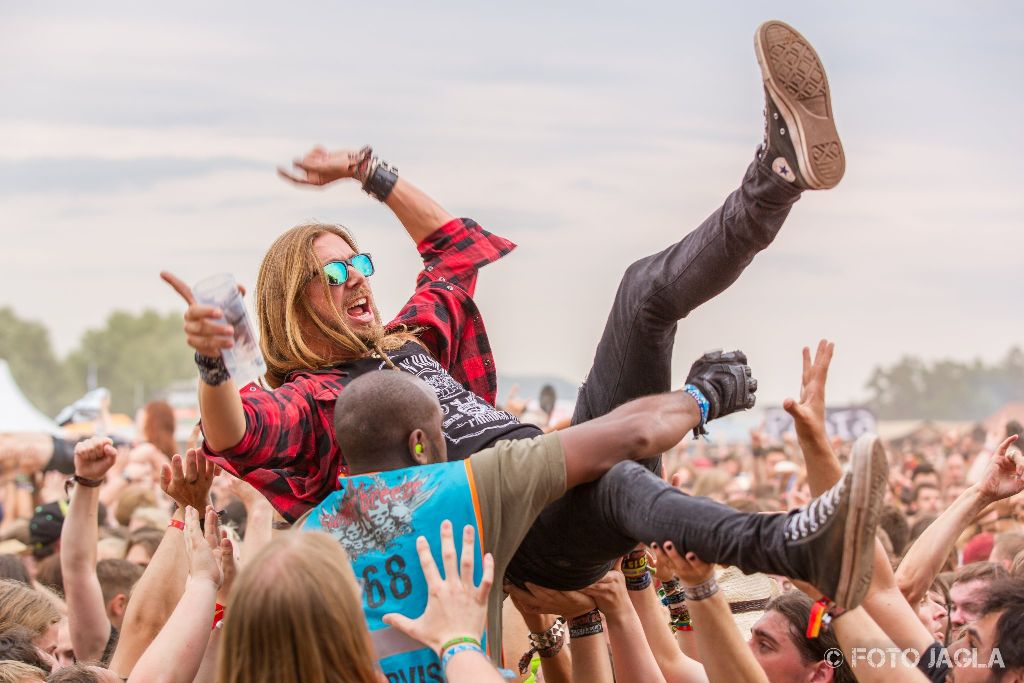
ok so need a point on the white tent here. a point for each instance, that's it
(16, 413)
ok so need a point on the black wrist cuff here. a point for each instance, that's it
(380, 179)
(212, 371)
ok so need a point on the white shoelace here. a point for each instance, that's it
(812, 516)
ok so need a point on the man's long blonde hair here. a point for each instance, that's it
(296, 615)
(283, 310)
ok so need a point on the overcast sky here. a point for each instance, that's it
(136, 137)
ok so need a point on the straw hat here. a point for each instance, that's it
(748, 595)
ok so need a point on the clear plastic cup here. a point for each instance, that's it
(244, 361)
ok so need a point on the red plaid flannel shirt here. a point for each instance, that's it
(289, 452)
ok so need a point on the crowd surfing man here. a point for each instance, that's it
(401, 486)
(320, 328)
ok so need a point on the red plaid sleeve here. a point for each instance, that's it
(443, 308)
(288, 452)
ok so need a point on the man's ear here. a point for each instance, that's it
(418, 447)
(117, 606)
(823, 673)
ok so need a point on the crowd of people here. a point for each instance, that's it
(368, 512)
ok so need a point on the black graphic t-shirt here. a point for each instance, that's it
(470, 423)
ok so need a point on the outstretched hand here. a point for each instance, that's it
(205, 330)
(188, 480)
(321, 167)
(1003, 476)
(94, 457)
(455, 607)
(809, 412)
(204, 550)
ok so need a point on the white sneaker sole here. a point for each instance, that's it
(869, 468)
(795, 78)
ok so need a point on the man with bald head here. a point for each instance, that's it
(401, 486)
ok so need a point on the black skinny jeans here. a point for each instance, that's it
(575, 540)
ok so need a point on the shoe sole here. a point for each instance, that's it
(795, 78)
(869, 470)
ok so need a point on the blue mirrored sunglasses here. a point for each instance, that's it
(337, 271)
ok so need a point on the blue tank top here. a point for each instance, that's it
(377, 519)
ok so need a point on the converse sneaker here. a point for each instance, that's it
(831, 540)
(801, 142)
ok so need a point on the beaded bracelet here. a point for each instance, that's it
(703, 404)
(456, 649)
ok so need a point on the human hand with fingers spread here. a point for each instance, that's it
(205, 330)
(456, 608)
(188, 480)
(321, 167)
(94, 457)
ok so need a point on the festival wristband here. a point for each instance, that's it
(702, 591)
(546, 644)
(456, 649)
(634, 569)
(702, 403)
(823, 613)
(457, 641)
(587, 624)
(177, 524)
(218, 616)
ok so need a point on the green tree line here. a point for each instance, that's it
(135, 356)
(946, 389)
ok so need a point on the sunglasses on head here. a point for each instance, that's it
(337, 271)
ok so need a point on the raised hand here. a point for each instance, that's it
(689, 569)
(455, 607)
(320, 167)
(203, 550)
(609, 594)
(809, 412)
(539, 600)
(203, 331)
(1003, 476)
(188, 480)
(94, 457)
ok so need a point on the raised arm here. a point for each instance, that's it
(177, 653)
(419, 214)
(924, 559)
(632, 659)
(726, 657)
(87, 613)
(884, 602)
(823, 469)
(220, 405)
(187, 481)
(651, 425)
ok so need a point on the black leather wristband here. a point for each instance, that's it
(380, 179)
(212, 371)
